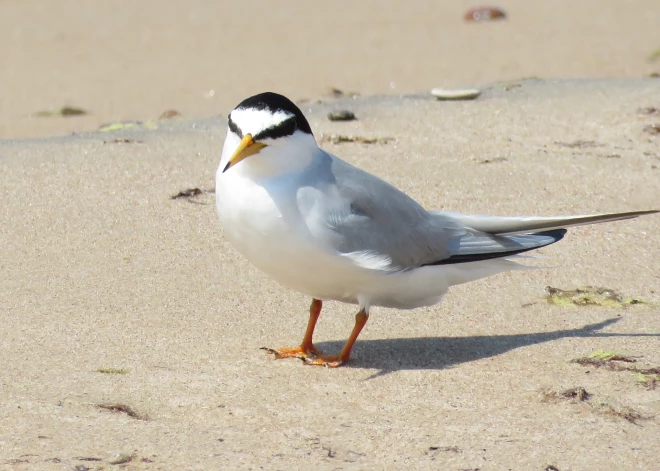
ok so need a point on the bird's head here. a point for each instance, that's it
(271, 132)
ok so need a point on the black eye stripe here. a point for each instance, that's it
(285, 128)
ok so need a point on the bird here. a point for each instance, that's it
(333, 232)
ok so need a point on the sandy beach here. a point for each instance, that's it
(134, 60)
(130, 329)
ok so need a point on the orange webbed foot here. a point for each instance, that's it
(301, 352)
(329, 361)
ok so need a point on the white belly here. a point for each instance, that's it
(269, 231)
(275, 241)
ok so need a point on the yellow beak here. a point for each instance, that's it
(246, 148)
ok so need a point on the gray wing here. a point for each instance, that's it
(360, 215)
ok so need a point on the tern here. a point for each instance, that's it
(324, 228)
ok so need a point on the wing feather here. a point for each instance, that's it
(379, 227)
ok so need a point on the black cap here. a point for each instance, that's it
(273, 103)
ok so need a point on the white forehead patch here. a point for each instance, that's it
(253, 121)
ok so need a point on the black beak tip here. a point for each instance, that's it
(227, 167)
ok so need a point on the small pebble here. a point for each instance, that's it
(341, 115)
(466, 94)
(337, 93)
(649, 110)
(484, 13)
(71, 111)
(169, 114)
(120, 458)
(65, 112)
(652, 129)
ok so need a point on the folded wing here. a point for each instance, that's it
(370, 221)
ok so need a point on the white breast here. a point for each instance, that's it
(267, 229)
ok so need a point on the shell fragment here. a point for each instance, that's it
(463, 94)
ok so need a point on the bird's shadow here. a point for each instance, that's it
(436, 353)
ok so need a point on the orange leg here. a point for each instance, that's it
(333, 361)
(306, 348)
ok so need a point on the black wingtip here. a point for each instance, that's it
(555, 234)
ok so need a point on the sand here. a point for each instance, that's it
(134, 60)
(103, 271)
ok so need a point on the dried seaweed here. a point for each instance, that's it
(589, 296)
